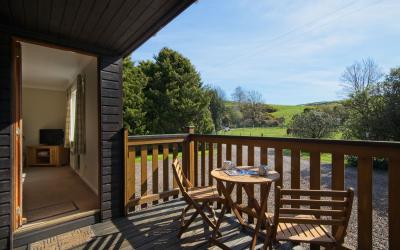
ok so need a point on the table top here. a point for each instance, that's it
(219, 174)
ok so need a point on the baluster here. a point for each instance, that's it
(250, 162)
(229, 152)
(143, 172)
(315, 181)
(295, 172)
(364, 191)
(315, 173)
(263, 161)
(210, 163)
(219, 165)
(203, 164)
(175, 149)
(196, 164)
(154, 167)
(279, 165)
(394, 202)
(165, 169)
(130, 177)
(239, 162)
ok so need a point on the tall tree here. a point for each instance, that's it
(217, 107)
(134, 81)
(390, 90)
(365, 106)
(361, 76)
(175, 96)
(239, 95)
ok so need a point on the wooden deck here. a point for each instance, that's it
(156, 228)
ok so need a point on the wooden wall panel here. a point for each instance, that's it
(111, 137)
(5, 145)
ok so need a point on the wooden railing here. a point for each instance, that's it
(202, 153)
(159, 152)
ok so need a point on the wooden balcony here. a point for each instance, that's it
(153, 207)
(149, 181)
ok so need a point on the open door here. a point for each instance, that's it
(17, 134)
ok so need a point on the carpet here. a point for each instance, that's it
(50, 210)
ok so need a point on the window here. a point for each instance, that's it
(72, 109)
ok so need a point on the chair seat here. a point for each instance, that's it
(209, 193)
(302, 232)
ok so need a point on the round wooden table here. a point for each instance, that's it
(226, 183)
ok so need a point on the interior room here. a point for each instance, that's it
(60, 133)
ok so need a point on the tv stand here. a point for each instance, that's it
(47, 155)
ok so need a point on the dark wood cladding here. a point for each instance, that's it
(99, 26)
(5, 142)
(111, 137)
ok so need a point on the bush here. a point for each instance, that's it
(312, 124)
(378, 163)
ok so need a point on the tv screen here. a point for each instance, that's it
(51, 136)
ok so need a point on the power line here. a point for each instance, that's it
(308, 24)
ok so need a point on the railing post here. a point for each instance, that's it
(394, 202)
(190, 155)
(126, 177)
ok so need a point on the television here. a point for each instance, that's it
(51, 136)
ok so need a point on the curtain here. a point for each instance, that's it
(67, 118)
(79, 142)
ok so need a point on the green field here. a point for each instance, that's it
(270, 132)
(287, 111)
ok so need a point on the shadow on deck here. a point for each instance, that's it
(157, 227)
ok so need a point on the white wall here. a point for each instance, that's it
(41, 109)
(89, 162)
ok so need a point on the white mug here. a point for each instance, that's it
(263, 170)
(228, 165)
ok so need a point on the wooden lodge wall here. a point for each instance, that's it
(5, 142)
(111, 137)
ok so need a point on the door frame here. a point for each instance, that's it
(16, 134)
(16, 112)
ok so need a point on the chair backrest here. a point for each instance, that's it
(183, 183)
(316, 207)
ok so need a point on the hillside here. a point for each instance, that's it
(287, 111)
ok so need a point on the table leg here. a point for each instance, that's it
(260, 210)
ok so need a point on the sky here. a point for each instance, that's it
(291, 51)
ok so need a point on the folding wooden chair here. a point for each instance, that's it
(302, 216)
(198, 198)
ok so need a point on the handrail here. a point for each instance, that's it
(156, 139)
(356, 147)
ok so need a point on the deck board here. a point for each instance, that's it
(157, 227)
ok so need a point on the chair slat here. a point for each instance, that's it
(337, 222)
(323, 193)
(313, 202)
(319, 212)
